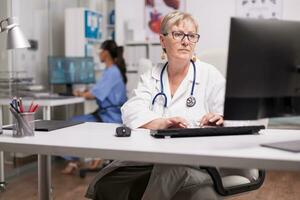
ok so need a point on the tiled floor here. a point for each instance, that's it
(24, 186)
(279, 185)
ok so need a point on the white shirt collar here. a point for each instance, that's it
(156, 72)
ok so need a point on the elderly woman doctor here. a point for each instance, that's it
(183, 92)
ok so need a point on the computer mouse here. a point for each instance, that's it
(123, 131)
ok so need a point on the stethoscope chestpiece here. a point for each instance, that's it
(191, 101)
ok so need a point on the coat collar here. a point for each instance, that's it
(157, 71)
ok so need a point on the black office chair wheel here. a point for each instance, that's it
(2, 186)
(82, 173)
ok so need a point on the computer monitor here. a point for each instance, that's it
(263, 71)
(71, 70)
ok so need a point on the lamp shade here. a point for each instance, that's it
(16, 39)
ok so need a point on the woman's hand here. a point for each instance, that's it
(212, 119)
(77, 93)
(163, 123)
(85, 94)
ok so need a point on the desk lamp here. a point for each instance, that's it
(15, 39)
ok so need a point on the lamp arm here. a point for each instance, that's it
(2, 29)
(8, 26)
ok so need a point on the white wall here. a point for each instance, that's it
(291, 9)
(56, 25)
(127, 11)
(4, 54)
(213, 17)
(33, 19)
(43, 21)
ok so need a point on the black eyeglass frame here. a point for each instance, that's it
(184, 35)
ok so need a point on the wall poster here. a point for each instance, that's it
(155, 10)
(262, 9)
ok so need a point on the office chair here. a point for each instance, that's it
(235, 184)
(144, 65)
(216, 57)
(227, 185)
(230, 183)
(84, 171)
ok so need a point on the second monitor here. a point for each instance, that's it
(71, 70)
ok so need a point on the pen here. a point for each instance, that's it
(20, 119)
(21, 105)
(30, 107)
(15, 103)
(12, 105)
(35, 107)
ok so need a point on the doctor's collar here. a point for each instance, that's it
(156, 71)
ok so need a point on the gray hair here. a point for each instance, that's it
(174, 18)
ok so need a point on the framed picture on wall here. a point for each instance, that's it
(155, 10)
(262, 9)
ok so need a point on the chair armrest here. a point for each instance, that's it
(226, 191)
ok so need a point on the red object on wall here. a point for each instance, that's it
(155, 20)
(149, 3)
(172, 3)
(154, 25)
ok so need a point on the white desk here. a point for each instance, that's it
(98, 140)
(46, 104)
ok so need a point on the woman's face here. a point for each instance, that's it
(179, 48)
(103, 55)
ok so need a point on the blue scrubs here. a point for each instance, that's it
(110, 93)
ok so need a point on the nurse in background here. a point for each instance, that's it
(109, 92)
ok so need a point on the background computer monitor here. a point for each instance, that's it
(71, 70)
(263, 71)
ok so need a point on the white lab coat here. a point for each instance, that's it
(137, 111)
(209, 93)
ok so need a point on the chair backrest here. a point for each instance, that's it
(216, 57)
(144, 65)
(241, 185)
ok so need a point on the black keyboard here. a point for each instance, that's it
(208, 131)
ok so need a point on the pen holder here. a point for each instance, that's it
(23, 124)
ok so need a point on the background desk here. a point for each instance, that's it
(46, 105)
(98, 140)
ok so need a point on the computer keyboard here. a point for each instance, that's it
(210, 131)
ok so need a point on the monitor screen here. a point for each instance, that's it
(263, 69)
(71, 70)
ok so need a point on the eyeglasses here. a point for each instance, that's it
(180, 35)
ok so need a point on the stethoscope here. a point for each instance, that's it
(190, 101)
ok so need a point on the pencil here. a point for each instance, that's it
(30, 107)
(21, 105)
(35, 107)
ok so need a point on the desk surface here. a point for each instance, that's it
(98, 140)
(46, 102)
